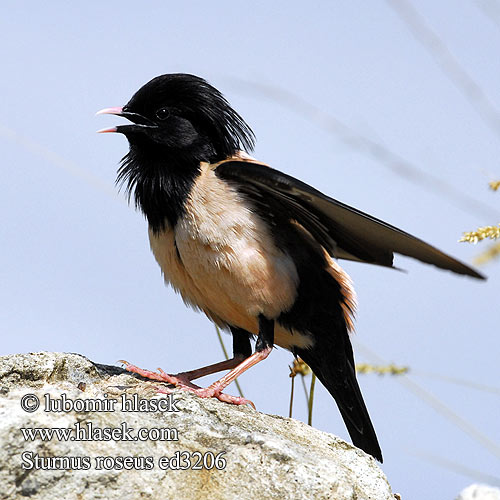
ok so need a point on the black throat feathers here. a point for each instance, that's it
(160, 184)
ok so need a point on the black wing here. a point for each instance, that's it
(346, 233)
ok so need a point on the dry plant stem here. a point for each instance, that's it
(311, 400)
(291, 397)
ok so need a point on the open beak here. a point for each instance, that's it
(117, 110)
(140, 121)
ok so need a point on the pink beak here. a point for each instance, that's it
(117, 110)
(105, 130)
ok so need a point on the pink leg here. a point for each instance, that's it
(252, 360)
(228, 364)
(183, 380)
(215, 390)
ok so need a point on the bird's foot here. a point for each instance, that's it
(214, 391)
(179, 380)
(210, 392)
(182, 381)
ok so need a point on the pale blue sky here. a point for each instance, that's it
(77, 273)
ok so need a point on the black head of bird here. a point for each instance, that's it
(253, 248)
(184, 115)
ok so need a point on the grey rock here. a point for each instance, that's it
(479, 492)
(241, 453)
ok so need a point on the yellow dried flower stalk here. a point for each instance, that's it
(300, 367)
(391, 369)
(493, 252)
(492, 232)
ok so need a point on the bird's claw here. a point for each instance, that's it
(182, 382)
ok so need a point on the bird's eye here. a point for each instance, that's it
(163, 113)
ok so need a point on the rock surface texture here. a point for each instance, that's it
(479, 492)
(221, 451)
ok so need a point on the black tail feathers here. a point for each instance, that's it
(336, 372)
